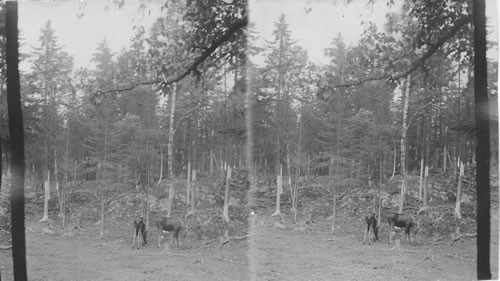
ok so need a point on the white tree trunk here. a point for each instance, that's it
(334, 208)
(63, 190)
(445, 149)
(297, 172)
(193, 185)
(226, 196)
(421, 179)
(458, 212)
(403, 142)
(161, 166)
(170, 149)
(426, 177)
(46, 198)
(60, 191)
(394, 161)
(279, 190)
(188, 187)
(103, 175)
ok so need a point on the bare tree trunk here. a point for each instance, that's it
(170, 149)
(188, 186)
(445, 149)
(288, 169)
(46, 156)
(297, 172)
(394, 161)
(375, 197)
(46, 170)
(1, 153)
(379, 200)
(46, 198)
(482, 121)
(278, 153)
(103, 174)
(194, 146)
(420, 186)
(334, 207)
(425, 191)
(211, 164)
(225, 212)
(279, 190)
(101, 233)
(278, 111)
(15, 116)
(161, 166)
(337, 152)
(75, 173)
(308, 166)
(55, 176)
(289, 175)
(426, 160)
(252, 163)
(458, 213)
(193, 186)
(455, 163)
(148, 186)
(60, 192)
(403, 143)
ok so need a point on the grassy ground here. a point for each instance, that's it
(276, 250)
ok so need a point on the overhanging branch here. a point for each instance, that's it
(131, 87)
(458, 25)
(417, 63)
(235, 27)
(208, 52)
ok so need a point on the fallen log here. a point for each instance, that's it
(462, 235)
(229, 239)
(5, 247)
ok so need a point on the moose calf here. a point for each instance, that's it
(162, 225)
(407, 222)
(371, 224)
(140, 228)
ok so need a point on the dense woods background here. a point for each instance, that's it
(173, 107)
(71, 123)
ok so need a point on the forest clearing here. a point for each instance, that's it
(279, 254)
(277, 248)
(217, 145)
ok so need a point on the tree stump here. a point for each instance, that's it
(398, 244)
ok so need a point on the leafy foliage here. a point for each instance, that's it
(121, 106)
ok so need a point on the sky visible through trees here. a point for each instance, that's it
(147, 104)
(81, 25)
(313, 23)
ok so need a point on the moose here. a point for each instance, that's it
(407, 222)
(140, 229)
(371, 226)
(162, 225)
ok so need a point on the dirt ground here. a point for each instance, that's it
(275, 251)
(316, 255)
